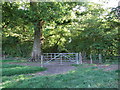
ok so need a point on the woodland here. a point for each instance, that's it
(30, 29)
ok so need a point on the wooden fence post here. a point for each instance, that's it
(77, 58)
(100, 58)
(41, 60)
(91, 61)
(80, 58)
(55, 56)
(61, 59)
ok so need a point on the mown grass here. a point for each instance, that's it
(8, 80)
(6, 61)
(90, 77)
(10, 65)
(9, 69)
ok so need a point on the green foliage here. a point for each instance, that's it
(65, 29)
(90, 35)
(14, 47)
(80, 78)
(9, 70)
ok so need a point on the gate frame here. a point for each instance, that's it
(77, 57)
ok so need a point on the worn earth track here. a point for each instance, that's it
(52, 68)
(57, 68)
(108, 67)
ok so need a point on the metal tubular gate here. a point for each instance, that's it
(61, 57)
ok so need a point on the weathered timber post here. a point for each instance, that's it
(100, 58)
(80, 58)
(54, 56)
(41, 60)
(61, 59)
(77, 58)
(91, 61)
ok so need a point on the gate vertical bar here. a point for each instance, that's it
(51, 56)
(54, 56)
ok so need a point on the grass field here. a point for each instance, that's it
(9, 70)
(6, 61)
(90, 77)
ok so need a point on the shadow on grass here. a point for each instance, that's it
(9, 69)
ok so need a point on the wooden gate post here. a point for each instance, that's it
(91, 61)
(77, 62)
(100, 58)
(80, 58)
(41, 60)
(61, 59)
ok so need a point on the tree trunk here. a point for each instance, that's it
(38, 23)
(36, 52)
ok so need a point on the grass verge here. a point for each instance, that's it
(90, 77)
(11, 69)
(6, 61)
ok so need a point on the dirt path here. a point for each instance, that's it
(105, 67)
(108, 67)
(56, 68)
(52, 68)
